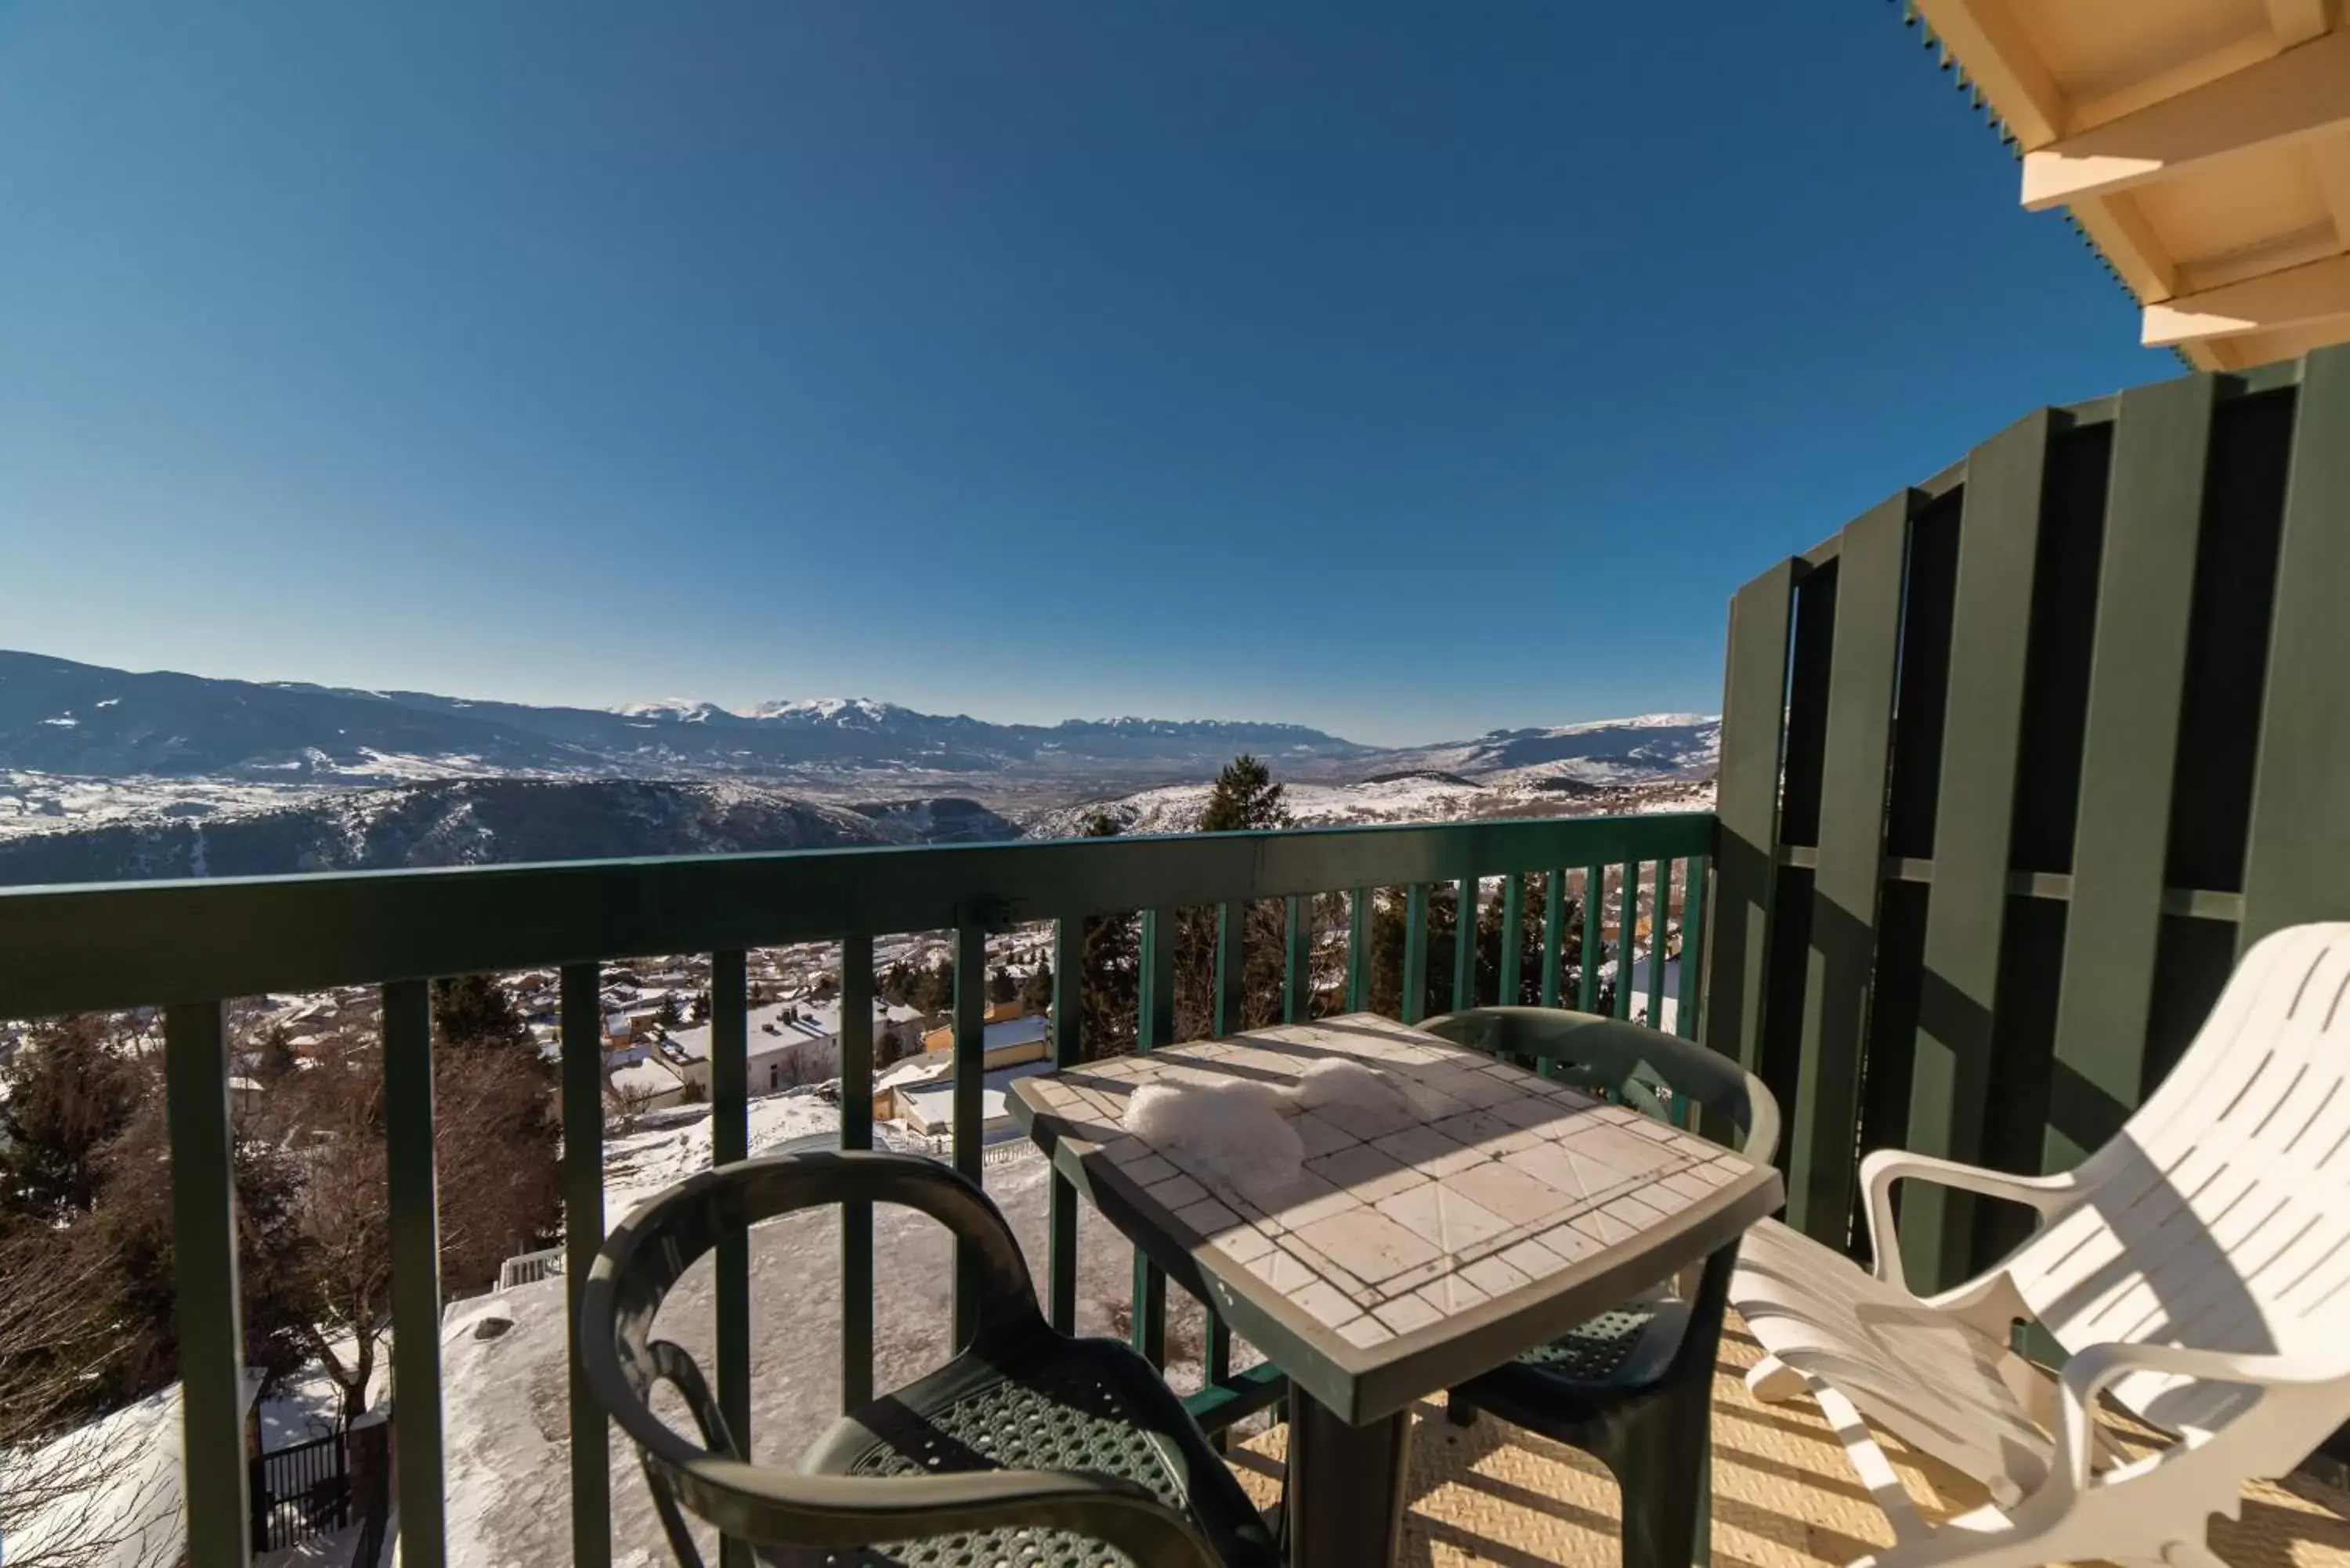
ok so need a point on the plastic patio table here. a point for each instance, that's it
(1400, 1259)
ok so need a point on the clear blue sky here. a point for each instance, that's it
(1404, 370)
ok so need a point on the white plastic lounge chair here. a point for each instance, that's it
(2196, 1268)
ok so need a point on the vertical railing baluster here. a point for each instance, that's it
(1659, 930)
(1359, 951)
(729, 1141)
(855, 1133)
(413, 1195)
(1068, 1050)
(1514, 912)
(970, 1090)
(1628, 932)
(1464, 941)
(1595, 919)
(1692, 947)
(1219, 1370)
(1297, 970)
(210, 1321)
(583, 1235)
(1154, 1028)
(1415, 953)
(1232, 924)
(1553, 935)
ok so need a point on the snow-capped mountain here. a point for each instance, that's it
(59, 717)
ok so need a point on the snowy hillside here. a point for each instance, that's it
(231, 832)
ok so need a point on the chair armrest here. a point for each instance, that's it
(1882, 1168)
(2087, 1375)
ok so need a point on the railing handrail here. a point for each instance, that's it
(128, 944)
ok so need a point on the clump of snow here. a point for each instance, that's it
(1237, 1129)
(1378, 1103)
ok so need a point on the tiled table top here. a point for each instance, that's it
(1412, 1247)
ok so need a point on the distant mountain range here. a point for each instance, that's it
(107, 775)
(60, 717)
(476, 822)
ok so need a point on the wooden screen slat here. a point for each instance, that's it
(1949, 1088)
(1821, 1160)
(1753, 725)
(2300, 839)
(2145, 591)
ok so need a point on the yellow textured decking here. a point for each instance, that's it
(1784, 1496)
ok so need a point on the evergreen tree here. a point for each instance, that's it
(1036, 994)
(1243, 799)
(1389, 909)
(934, 990)
(1109, 992)
(1002, 987)
(70, 1089)
(474, 1010)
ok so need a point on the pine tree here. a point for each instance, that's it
(1036, 995)
(1109, 988)
(1243, 799)
(474, 1010)
(1002, 987)
(1388, 914)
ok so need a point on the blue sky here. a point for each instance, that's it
(1404, 370)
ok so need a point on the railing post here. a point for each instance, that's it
(855, 1133)
(1553, 935)
(1231, 921)
(1514, 912)
(729, 1141)
(1068, 1019)
(1154, 1028)
(1464, 942)
(583, 1237)
(413, 1195)
(1594, 939)
(1298, 979)
(970, 1087)
(1415, 953)
(1359, 951)
(210, 1319)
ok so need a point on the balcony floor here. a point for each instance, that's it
(1784, 1495)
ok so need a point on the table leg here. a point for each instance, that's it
(1345, 1499)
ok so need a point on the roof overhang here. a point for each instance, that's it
(2202, 145)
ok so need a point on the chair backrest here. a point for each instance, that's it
(2219, 1218)
(1627, 1059)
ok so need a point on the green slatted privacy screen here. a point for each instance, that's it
(2015, 765)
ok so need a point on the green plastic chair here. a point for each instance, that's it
(1029, 1447)
(1633, 1386)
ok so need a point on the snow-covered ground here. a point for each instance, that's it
(44, 803)
(1417, 797)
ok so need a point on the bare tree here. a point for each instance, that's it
(52, 1339)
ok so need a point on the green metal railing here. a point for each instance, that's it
(191, 946)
